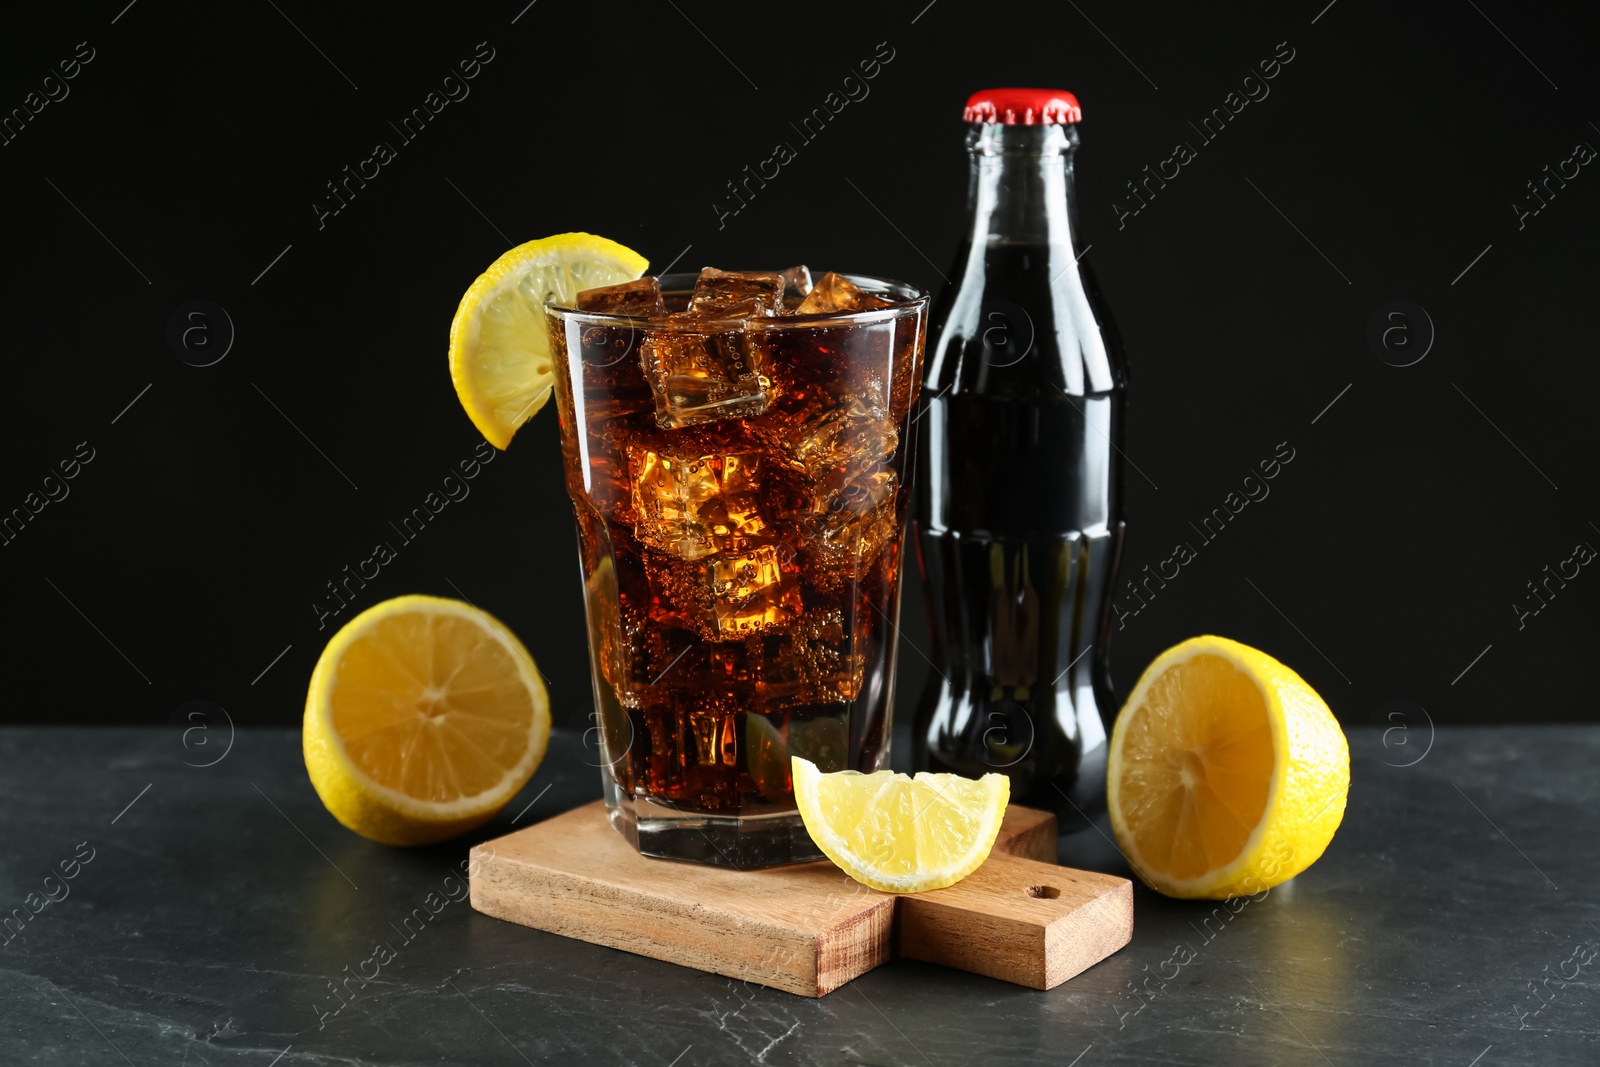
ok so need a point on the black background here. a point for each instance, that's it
(1386, 159)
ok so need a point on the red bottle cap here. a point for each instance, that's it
(1024, 107)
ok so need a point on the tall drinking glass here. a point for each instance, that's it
(740, 539)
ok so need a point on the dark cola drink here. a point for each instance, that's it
(1019, 502)
(736, 445)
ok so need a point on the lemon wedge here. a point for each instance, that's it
(425, 716)
(499, 347)
(901, 834)
(1227, 774)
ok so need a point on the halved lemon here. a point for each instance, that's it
(425, 716)
(499, 348)
(901, 834)
(1227, 773)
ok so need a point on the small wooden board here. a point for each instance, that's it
(807, 928)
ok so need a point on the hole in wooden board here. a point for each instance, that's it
(1046, 892)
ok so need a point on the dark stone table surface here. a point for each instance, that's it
(1453, 922)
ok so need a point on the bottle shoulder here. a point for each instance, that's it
(1023, 319)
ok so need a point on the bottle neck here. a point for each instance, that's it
(1017, 317)
(1020, 188)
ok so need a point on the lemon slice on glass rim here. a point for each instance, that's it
(499, 347)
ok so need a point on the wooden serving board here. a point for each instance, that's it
(807, 928)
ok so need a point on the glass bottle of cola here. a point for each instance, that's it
(1019, 497)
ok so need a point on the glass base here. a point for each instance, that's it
(739, 842)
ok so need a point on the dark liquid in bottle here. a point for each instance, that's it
(1019, 524)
